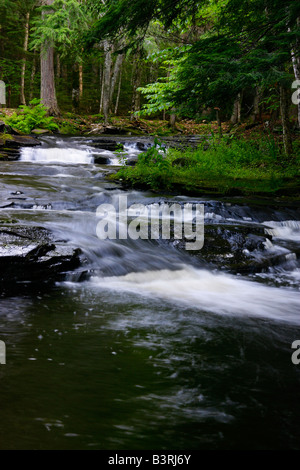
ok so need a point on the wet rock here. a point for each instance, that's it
(100, 159)
(132, 161)
(141, 146)
(19, 141)
(10, 145)
(235, 248)
(31, 255)
(106, 144)
(6, 129)
(9, 154)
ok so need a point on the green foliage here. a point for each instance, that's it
(247, 44)
(135, 16)
(31, 117)
(68, 128)
(4, 137)
(62, 24)
(222, 165)
(155, 164)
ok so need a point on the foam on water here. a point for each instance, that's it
(56, 155)
(217, 293)
(285, 230)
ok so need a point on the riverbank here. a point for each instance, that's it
(217, 167)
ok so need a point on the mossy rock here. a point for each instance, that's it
(40, 131)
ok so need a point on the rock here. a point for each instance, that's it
(6, 129)
(30, 255)
(100, 159)
(39, 131)
(12, 141)
(234, 248)
(19, 141)
(113, 130)
(9, 154)
(102, 129)
(106, 144)
(132, 161)
(141, 146)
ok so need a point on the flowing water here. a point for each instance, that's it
(145, 346)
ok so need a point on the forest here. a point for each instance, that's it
(205, 60)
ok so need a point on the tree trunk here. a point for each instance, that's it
(58, 67)
(106, 80)
(296, 66)
(256, 101)
(219, 122)
(9, 96)
(172, 118)
(237, 109)
(80, 81)
(136, 96)
(116, 73)
(101, 88)
(23, 70)
(284, 109)
(80, 71)
(119, 92)
(48, 93)
(32, 77)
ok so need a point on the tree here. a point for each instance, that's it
(60, 26)
(247, 46)
(48, 92)
(123, 16)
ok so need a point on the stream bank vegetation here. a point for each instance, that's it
(218, 166)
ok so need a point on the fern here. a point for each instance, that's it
(31, 117)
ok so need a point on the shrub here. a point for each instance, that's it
(31, 117)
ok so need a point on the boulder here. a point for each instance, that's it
(30, 255)
(106, 144)
(100, 159)
(9, 154)
(234, 248)
(18, 141)
(6, 129)
(39, 131)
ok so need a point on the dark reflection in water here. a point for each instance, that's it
(85, 370)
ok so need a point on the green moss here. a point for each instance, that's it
(5, 137)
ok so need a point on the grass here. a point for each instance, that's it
(223, 166)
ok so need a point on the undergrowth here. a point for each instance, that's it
(31, 117)
(217, 164)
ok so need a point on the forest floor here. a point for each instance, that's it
(83, 124)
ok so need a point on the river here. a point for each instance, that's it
(147, 346)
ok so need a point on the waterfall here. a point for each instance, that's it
(57, 155)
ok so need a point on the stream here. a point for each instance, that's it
(146, 345)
